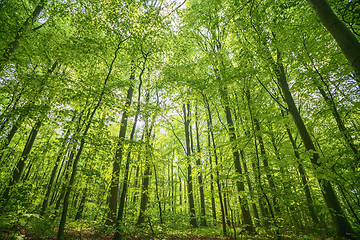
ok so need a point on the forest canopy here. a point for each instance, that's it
(202, 119)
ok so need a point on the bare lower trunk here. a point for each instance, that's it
(340, 222)
(114, 185)
(186, 110)
(18, 170)
(236, 158)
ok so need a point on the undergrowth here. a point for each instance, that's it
(31, 226)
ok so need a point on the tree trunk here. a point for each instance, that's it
(304, 181)
(346, 40)
(255, 211)
(53, 172)
(21, 164)
(82, 205)
(60, 235)
(340, 222)
(210, 127)
(127, 165)
(256, 169)
(14, 45)
(225, 205)
(180, 192)
(240, 184)
(200, 177)
(186, 111)
(148, 161)
(157, 196)
(63, 187)
(136, 180)
(213, 208)
(114, 185)
(146, 178)
(173, 188)
(266, 165)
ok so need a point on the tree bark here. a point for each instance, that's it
(53, 172)
(157, 196)
(60, 235)
(304, 181)
(340, 222)
(114, 185)
(200, 177)
(256, 168)
(266, 165)
(127, 164)
(346, 40)
(236, 158)
(14, 45)
(81, 205)
(210, 127)
(213, 208)
(146, 177)
(186, 111)
(21, 164)
(255, 210)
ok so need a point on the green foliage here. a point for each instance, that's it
(185, 54)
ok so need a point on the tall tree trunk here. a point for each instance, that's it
(146, 176)
(81, 205)
(225, 205)
(65, 182)
(256, 168)
(255, 211)
(127, 163)
(236, 158)
(200, 177)
(186, 111)
(24, 114)
(266, 165)
(173, 188)
(148, 162)
(213, 208)
(53, 172)
(114, 185)
(21, 164)
(340, 222)
(346, 40)
(60, 235)
(157, 196)
(210, 127)
(136, 180)
(304, 181)
(14, 45)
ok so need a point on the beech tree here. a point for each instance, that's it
(151, 116)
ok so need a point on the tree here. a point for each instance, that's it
(346, 40)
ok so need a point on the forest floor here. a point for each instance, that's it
(20, 232)
(32, 227)
(25, 232)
